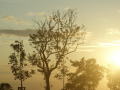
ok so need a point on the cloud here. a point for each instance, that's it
(11, 41)
(108, 44)
(32, 13)
(112, 44)
(116, 41)
(23, 33)
(105, 44)
(85, 50)
(6, 41)
(101, 44)
(14, 20)
(88, 34)
(113, 31)
(66, 8)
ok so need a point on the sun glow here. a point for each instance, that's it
(116, 58)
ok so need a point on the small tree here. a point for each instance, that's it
(113, 74)
(87, 75)
(17, 59)
(56, 37)
(63, 73)
(5, 86)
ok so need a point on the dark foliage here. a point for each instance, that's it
(113, 74)
(87, 75)
(17, 61)
(5, 86)
(57, 36)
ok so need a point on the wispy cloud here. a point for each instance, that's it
(12, 41)
(113, 31)
(94, 45)
(14, 20)
(88, 34)
(23, 33)
(7, 35)
(105, 44)
(85, 50)
(66, 8)
(6, 42)
(109, 44)
(32, 13)
(117, 41)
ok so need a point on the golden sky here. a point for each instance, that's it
(100, 17)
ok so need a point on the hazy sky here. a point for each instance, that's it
(101, 18)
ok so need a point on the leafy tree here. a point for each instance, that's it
(63, 73)
(87, 75)
(56, 37)
(113, 74)
(17, 59)
(5, 86)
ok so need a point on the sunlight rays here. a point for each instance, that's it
(115, 57)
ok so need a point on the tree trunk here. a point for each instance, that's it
(21, 84)
(47, 82)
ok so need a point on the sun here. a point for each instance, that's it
(115, 58)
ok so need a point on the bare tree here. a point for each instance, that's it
(17, 59)
(56, 37)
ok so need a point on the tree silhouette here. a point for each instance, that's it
(87, 75)
(17, 59)
(63, 72)
(56, 37)
(5, 86)
(113, 74)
